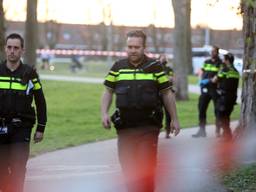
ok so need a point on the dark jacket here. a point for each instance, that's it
(17, 90)
(210, 69)
(137, 88)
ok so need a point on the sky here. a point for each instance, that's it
(223, 15)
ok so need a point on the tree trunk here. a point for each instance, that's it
(182, 46)
(248, 108)
(2, 31)
(188, 39)
(31, 38)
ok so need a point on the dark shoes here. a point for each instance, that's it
(167, 136)
(200, 133)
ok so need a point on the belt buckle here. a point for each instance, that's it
(3, 127)
(3, 130)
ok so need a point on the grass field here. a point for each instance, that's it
(74, 115)
(242, 179)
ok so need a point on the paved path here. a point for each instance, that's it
(185, 164)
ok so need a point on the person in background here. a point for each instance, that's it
(19, 86)
(208, 91)
(227, 81)
(45, 58)
(169, 72)
(137, 82)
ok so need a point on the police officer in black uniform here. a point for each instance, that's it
(169, 72)
(137, 81)
(19, 84)
(208, 90)
(227, 84)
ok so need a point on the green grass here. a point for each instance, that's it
(74, 115)
(242, 179)
(91, 68)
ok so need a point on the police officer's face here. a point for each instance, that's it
(214, 53)
(135, 50)
(13, 50)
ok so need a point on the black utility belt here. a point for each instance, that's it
(6, 124)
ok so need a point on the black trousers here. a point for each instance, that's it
(225, 106)
(137, 150)
(204, 99)
(14, 152)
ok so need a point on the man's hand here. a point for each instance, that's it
(106, 122)
(38, 136)
(105, 104)
(174, 127)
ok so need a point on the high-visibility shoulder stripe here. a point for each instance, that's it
(128, 70)
(210, 67)
(35, 80)
(5, 78)
(233, 74)
(136, 76)
(114, 73)
(160, 74)
(110, 78)
(170, 73)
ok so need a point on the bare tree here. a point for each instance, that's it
(248, 108)
(2, 31)
(182, 46)
(31, 38)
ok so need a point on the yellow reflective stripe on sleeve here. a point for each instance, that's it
(36, 83)
(170, 74)
(4, 85)
(114, 73)
(233, 74)
(160, 73)
(37, 86)
(110, 78)
(162, 79)
(221, 74)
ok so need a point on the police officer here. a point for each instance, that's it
(19, 84)
(208, 90)
(137, 81)
(227, 84)
(169, 72)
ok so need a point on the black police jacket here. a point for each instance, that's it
(17, 90)
(210, 69)
(137, 88)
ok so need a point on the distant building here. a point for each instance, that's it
(95, 37)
